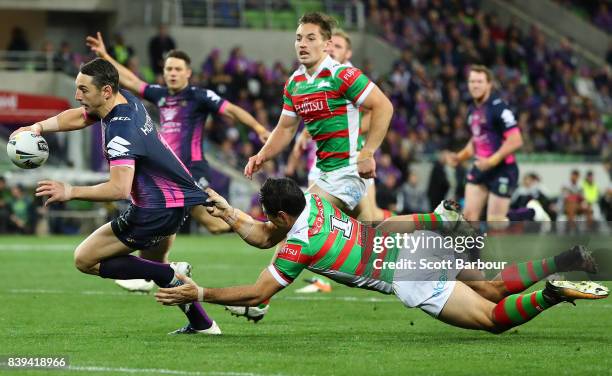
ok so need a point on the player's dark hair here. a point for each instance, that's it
(178, 54)
(326, 23)
(482, 69)
(282, 195)
(103, 73)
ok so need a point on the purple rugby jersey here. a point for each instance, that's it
(161, 180)
(182, 117)
(491, 123)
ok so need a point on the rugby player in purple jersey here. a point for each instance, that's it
(144, 168)
(495, 139)
(183, 110)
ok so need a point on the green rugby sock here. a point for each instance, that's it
(519, 308)
(519, 277)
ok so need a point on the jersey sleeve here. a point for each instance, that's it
(152, 93)
(288, 108)
(123, 146)
(290, 261)
(505, 119)
(354, 85)
(210, 101)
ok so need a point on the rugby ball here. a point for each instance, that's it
(27, 150)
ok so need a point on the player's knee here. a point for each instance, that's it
(82, 263)
(490, 290)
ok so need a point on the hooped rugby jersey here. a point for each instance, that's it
(328, 102)
(326, 241)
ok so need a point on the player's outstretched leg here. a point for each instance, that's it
(466, 309)
(519, 277)
(445, 218)
(103, 254)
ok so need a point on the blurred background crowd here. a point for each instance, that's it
(562, 105)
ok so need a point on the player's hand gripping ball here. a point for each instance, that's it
(27, 150)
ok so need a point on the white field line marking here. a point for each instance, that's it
(160, 371)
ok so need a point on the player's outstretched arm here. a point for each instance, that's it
(259, 234)
(69, 120)
(250, 296)
(280, 137)
(117, 188)
(127, 79)
(381, 111)
(238, 114)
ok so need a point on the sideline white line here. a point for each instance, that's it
(160, 371)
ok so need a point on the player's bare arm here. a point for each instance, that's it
(509, 146)
(366, 118)
(381, 112)
(117, 188)
(301, 143)
(69, 120)
(259, 234)
(280, 137)
(127, 79)
(238, 114)
(250, 296)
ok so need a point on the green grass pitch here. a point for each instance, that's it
(48, 308)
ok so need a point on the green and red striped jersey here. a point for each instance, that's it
(328, 102)
(326, 241)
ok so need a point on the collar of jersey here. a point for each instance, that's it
(492, 97)
(326, 63)
(178, 92)
(299, 230)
